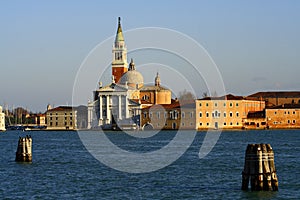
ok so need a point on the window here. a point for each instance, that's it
(237, 123)
(182, 115)
(230, 104)
(230, 114)
(275, 113)
(182, 124)
(224, 114)
(70, 113)
(50, 118)
(207, 114)
(56, 123)
(237, 114)
(200, 114)
(213, 114)
(288, 121)
(224, 104)
(294, 112)
(145, 114)
(200, 104)
(70, 118)
(294, 121)
(158, 115)
(65, 123)
(216, 114)
(231, 123)
(237, 104)
(145, 97)
(56, 118)
(50, 123)
(207, 124)
(71, 123)
(65, 118)
(150, 114)
(165, 115)
(206, 104)
(216, 104)
(200, 124)
(191, 114)
(224, 123)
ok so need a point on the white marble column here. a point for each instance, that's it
(108, 115)
(89, 118)
(120, 107)
(100, 108)
(126, 107)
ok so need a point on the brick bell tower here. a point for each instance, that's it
(119, 61)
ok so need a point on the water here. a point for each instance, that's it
(63, 169)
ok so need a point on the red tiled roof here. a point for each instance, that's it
(226, 97)
(278, 94)
(173, 105)
(62, 108)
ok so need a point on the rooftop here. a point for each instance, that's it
(276, 94)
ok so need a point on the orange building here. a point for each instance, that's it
(169, 116)
(283, 116)
(277, 98)
(226, 112)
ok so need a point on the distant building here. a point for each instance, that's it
(283, 116)
(169, 116)
(61, 118)
(256, 120)
(2, 120)
(66, 118)
(226, 112)
(277, 98)
(119, 103)
(40, 119)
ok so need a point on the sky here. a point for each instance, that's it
(254, 44)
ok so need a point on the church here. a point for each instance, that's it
(118, 105)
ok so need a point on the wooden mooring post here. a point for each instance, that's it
(259, 168)
(24, 150)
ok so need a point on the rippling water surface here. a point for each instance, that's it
(63, 169)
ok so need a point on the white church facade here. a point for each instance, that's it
(118, 105)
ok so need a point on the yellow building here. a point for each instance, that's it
(226, 112)
(61, 118)
(283, 116)
(169, 116)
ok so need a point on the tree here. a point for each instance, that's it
(186, 96)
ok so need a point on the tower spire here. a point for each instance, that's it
(119, 51)
(157, 80)
(119, 36)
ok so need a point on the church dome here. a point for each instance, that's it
(132, 77)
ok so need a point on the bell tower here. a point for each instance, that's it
(119, 61)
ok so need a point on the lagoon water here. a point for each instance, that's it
(62, 168)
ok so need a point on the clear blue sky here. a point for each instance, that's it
(255, 44)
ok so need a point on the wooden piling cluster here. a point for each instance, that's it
(259, 168)
(24, 150)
